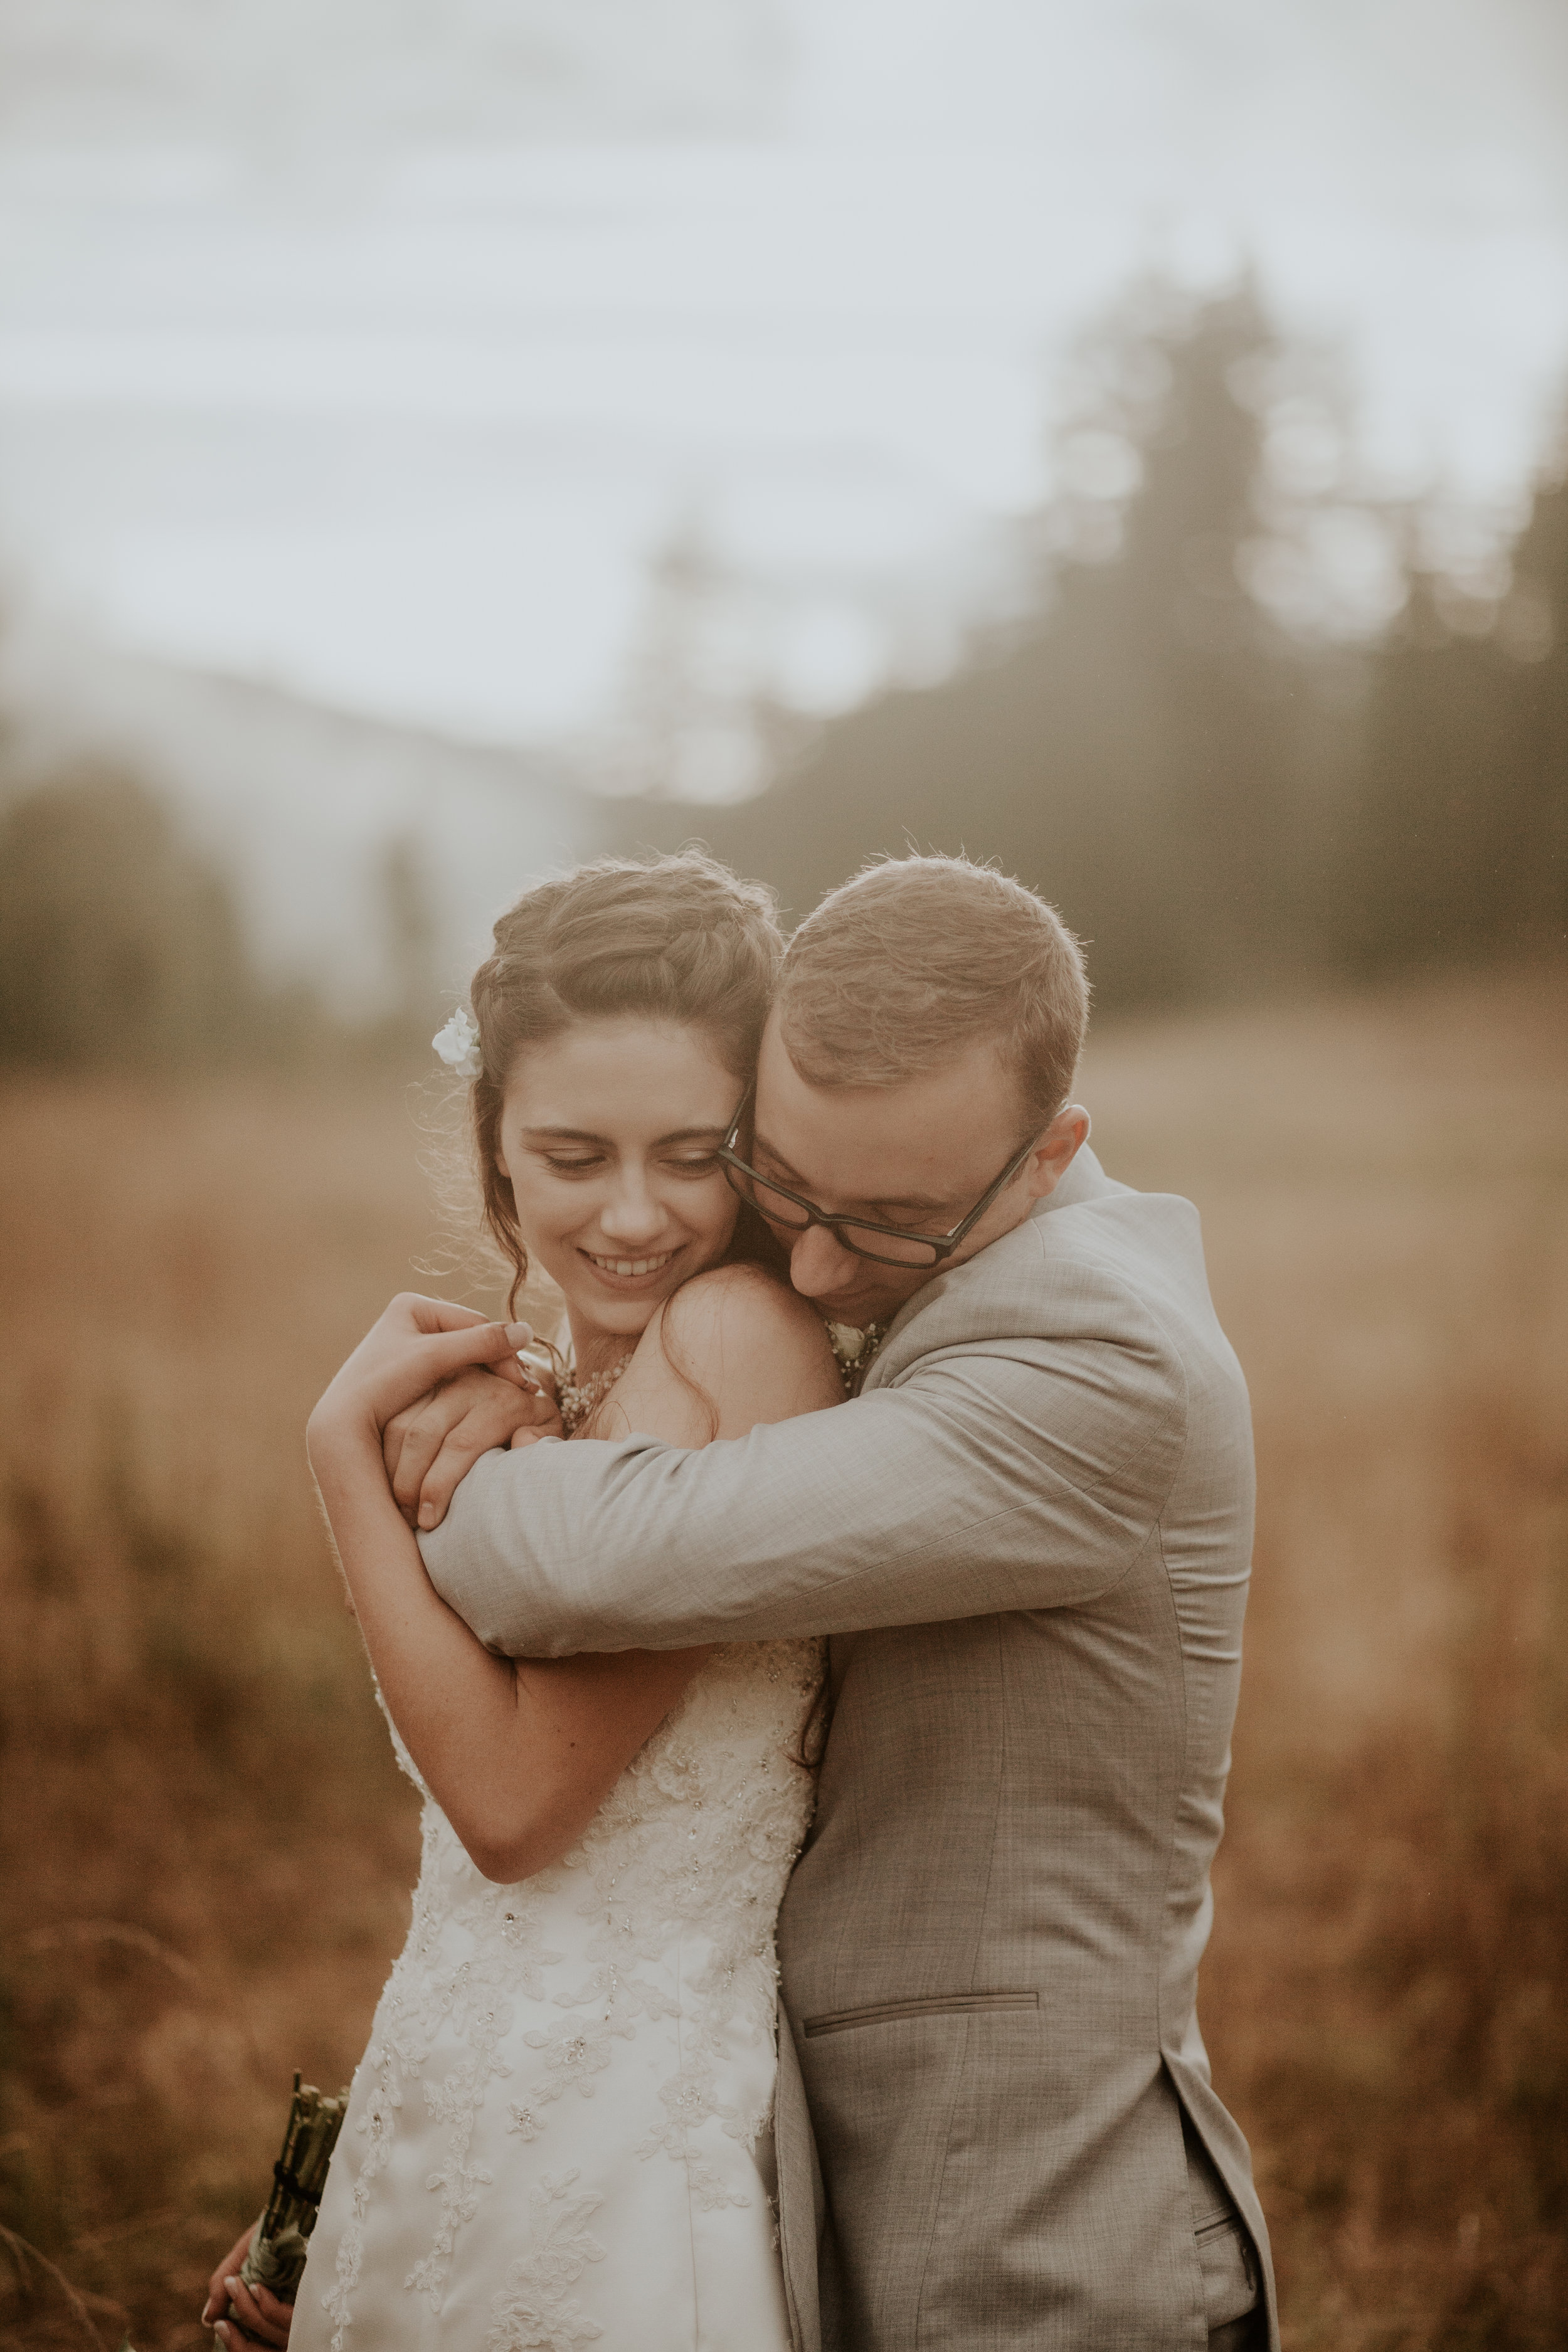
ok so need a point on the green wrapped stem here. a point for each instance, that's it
(282, 2237)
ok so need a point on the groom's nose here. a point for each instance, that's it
(819, 1263)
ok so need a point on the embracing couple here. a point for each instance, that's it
(824, 1748)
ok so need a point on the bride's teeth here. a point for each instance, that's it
(633, 1265)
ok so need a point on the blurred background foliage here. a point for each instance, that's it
(122, 945)
(1192, 735)
(1222, 784)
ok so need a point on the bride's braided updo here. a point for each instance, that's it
(668, 938)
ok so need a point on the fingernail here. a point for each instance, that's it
(232, 2286)
(221, 2332)
(426, 1515)
(520, 1335)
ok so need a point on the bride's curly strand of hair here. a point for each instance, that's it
(663, 939)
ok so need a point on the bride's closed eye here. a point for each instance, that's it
(587, 1163)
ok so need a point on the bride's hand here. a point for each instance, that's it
(259, 2317)
(413, 1348)
(430, 1448)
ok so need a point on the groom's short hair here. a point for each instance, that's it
(915, 957)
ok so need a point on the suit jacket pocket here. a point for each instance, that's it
(942, 2004)
(1230, 2280)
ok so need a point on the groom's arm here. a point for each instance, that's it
(1019, 1474)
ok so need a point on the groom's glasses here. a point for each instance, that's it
(888, 1245)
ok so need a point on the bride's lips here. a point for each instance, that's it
(632, 1273)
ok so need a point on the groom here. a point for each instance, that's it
(1028, 1538)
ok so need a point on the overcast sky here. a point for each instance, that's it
(373, 346)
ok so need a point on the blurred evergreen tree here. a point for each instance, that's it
(1150, 750)
(1462, 846)
(119, 944)
(1532, 637)
(410, 929)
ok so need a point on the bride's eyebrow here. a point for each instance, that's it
(585, 1135)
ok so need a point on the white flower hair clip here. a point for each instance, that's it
(457, 1043)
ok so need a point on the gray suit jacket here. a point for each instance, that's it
(1029, 1539)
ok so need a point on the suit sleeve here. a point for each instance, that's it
(995, 1476)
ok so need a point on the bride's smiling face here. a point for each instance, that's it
(608, 1137)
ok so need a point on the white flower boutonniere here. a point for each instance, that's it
(457, 1043)
(855, 1350)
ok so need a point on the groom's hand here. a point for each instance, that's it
(430, 1448)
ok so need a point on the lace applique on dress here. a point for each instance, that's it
(656, 1929)
(562, 2044)
(535, 2311)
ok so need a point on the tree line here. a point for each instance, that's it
(123, 946)
(1216, 800)
(1219, 800)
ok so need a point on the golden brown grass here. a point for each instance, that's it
(1384, 1188)
(206, 1851)
(206, 1847)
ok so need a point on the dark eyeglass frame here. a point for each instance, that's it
(941, 1245)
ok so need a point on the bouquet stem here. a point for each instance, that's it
(278, 2250)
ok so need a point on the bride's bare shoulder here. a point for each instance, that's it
(743, 1307)
(734, 1347)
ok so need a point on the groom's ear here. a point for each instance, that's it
(1056, 1151)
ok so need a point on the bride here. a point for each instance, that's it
(559, 2131)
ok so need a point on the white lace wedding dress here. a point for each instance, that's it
(559, 2134)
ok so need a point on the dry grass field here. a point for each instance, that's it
(206, 1850)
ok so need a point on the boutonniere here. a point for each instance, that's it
(855, 1349)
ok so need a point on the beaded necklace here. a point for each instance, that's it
(579, 1399)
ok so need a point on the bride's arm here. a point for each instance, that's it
(519, 1754)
